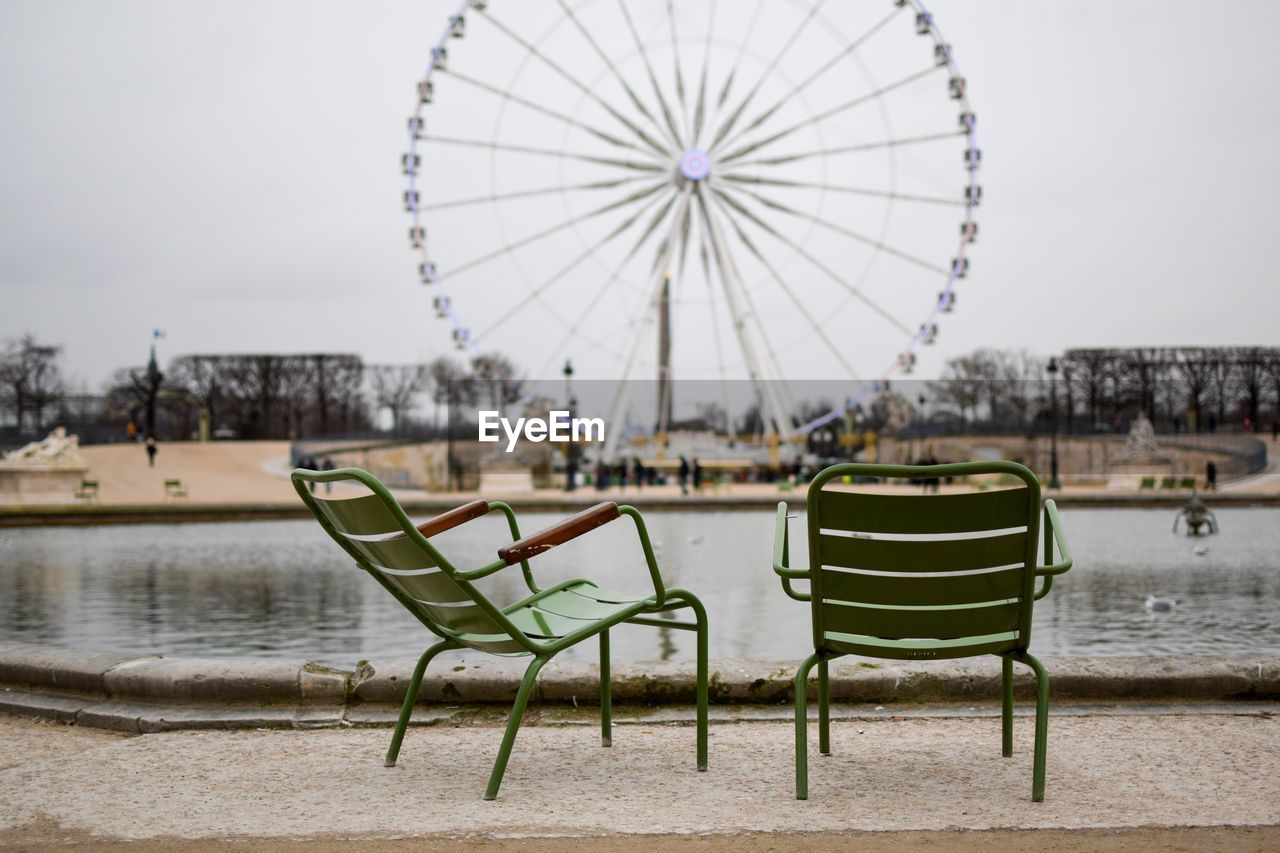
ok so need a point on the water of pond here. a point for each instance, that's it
(282, 589)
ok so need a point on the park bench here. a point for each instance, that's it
(1147, 483)
(174, 490)
(88, 491)
(1168, 482)
(911, 577)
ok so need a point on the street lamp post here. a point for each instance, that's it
(571, 453)
(1053, 427)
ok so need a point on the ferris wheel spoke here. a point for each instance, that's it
(579, 85)
(679, 74)
(774, 204)
(577, 324)
(808, 256)
(844, 149)
(646, 321)
(795, 300)
(762, 365)
(850, 49)
(737, 61)
(700, 110)
(653, 80)
(685, 234)
(631, 165)
(654, 222)
(816, 118)
(497, 197)
(547, 111)
(728, 126)
(613, 69)
(862, 191)
(537, 292)
(555, 229)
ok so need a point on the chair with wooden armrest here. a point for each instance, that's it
(374, 530)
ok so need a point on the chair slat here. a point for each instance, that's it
(545, 625)
(426, 586)
(571, 603)
(914, 590)
(462, 619)
(895, 624)
(495, 644)
(962, 647)
(401, 553)
(922, 555)
(363, 516)
(953, 513)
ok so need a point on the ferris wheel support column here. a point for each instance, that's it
(613, 426)
(767, 381)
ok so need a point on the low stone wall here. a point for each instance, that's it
(148, 693)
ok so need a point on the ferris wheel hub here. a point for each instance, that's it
(695, 164)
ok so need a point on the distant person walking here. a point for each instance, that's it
(697, 476)
(328, 466)
(683, 475)
(637, 472)
(308, 463)
(1211, 476)
(131, 430)
(152, 449)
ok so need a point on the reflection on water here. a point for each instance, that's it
(282, 589)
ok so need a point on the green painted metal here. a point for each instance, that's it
(923, 577)
(375, 532)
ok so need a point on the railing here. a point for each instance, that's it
(1247, 455)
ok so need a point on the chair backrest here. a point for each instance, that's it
(923, 575)
(380, 537)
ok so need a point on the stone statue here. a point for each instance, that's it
(1140, 445)
(56, 450)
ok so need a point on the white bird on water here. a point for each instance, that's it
(1160, 603)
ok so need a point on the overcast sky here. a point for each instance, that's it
(228, 172)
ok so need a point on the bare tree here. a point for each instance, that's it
(1091, 370)
(962, 384)
(32, 379)
(1193, 375)
(495, 380)
(1252, 366)
(395, 386)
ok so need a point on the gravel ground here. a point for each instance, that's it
(280, 788)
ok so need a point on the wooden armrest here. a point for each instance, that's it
(451, 519)
(558, 534)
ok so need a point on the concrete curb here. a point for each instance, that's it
(149, 693)
(82, 514)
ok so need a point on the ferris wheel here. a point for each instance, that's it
(764, 190)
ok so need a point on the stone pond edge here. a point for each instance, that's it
(132, 692)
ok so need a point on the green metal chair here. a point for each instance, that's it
(374, 530)
(868, 555)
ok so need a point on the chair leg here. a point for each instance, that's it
(410, 697)
(802, 727)
(700, 614)
(1042, 726)
(606, 695)
(824, 710)
(1006, 709)
(700, 618)
(513, 726)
